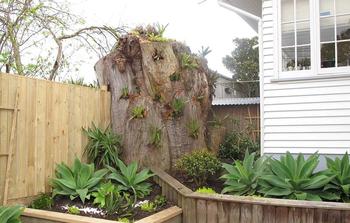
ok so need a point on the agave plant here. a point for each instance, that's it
(294, 178)
(339, 169)
(103, 147)
(242, 177)
(10, 214)
(130, 180)
(78, 181)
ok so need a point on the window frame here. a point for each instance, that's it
(315, 47)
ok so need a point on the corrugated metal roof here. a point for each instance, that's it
(236, 101)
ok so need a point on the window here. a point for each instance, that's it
(314, 33)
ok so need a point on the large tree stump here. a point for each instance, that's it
(145, 68)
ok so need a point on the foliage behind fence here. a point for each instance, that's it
(48, 130)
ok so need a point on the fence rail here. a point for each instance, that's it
(199, 208)
(48, 130)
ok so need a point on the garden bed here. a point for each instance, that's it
(217, 208)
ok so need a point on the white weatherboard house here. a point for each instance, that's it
(305, 73)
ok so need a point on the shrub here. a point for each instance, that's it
(177, 106)
(112, 199)
(130, 180)
(138, 112)
(339, 170)
(155, 136)
(10, 214)
(242, 177)
(78, 181)
(44, 201)
(294, 178)
(234, 146)
(205, 190)
(148, 207)
(199, 165)
(193, 128)
(188, 62)
(103, 147)
(73, 210)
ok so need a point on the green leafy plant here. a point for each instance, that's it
(175, 76)
(242, 177)
(177, 106)
(148, 207)
(155, 136)
(112, 199)
(198, 166)
(10, 214)
(158, 34)
(234, 146)
(188, 62)
(44, 201)
(103, 146)
(193, 128)
(130, 180)
(294, 178)
(339, 170)
(124, 220)
(125, 93)
(73, 210)
(205, 190)
(138, 112)
(78, 181)
(160, 201)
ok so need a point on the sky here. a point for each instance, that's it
(195, 24)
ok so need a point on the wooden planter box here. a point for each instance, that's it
(199, 208)
(170, 215)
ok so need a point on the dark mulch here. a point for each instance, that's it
(60, 202)
(213, 182)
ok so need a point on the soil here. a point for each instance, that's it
(61, 202)
(213, 182)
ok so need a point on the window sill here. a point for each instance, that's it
(310, 78)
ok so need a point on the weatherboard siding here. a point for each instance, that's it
(300, 116)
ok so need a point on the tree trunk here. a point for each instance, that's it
(145, 68)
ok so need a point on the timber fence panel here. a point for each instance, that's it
(48, 130)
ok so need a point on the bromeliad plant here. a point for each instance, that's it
(131, 181)
(10, 214)
(138, 112)
(188, 62)
(104, 146)
(78, 181)
(193, 128)
(242, 177)
(155, 136)
(177, 106)
(294, 178)
(339, 170)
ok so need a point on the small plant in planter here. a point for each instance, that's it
(193, 128)
(175, 76)
(73, 210)
(78, 181)
(123, 220)
(103, 147)
(155, 136)
(148, 207)
(160, 201)
(242, 176)
(188, 62)
(43, 202)
(177, 106)
(198, 166)
(205, 190)
(294, 178)
(125, 93)
(138, 112)
(10, 214)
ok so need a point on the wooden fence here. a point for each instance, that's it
(48, 130)
(200, 208)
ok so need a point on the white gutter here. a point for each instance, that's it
(261, 62)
